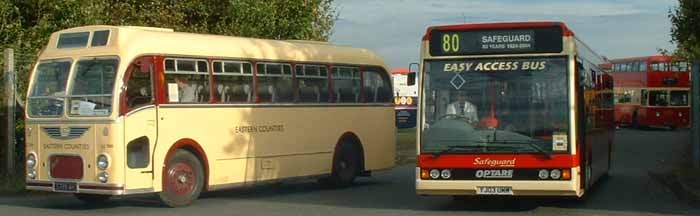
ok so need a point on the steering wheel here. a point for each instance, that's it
(456, 116)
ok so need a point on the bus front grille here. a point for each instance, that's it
(66, 167)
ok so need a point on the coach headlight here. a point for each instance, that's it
(555, 174)
(658, 114)
(446, 174)
(434, 174)
(103, 177)
(31, 174)
(102, 162)
(543, 174)
(31, 161)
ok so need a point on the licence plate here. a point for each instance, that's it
(499, 190)
(65, 186)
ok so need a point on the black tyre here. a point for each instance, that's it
(346, 165)
(92, 198)
(184, 179)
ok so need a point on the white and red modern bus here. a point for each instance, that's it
(405, 98)
(651, 91)
(520, 109)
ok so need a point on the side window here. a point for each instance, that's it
(187, 80)
(376, 85)
(643, 66)
(234, 81)
(312, 84)
(645, 97)
(139, 88)
(346, 84)
(274, 83)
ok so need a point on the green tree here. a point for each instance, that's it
(686, 28)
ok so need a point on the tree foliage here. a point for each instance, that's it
(686, 28)
(26, 25)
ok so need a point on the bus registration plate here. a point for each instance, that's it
(65, 186)
(498, 190)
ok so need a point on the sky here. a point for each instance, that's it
(394, 28)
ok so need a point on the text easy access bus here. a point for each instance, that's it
(405, 98)
(511, 109)
(128, 110)
(652, 91)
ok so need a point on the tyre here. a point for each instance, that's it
(183, 179)
(346, 164)
(92, 198)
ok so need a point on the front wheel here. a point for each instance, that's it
(184, 179)
(92, 198)
(346, 165)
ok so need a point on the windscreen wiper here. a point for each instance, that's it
(531, 143)
(452, 148)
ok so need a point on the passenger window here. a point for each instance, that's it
(234, 81)
(376, 85)
(346, 84)
(312, 84)
(187, 80)
(139, 89)
(274, 83)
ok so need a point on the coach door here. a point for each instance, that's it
(139, 124)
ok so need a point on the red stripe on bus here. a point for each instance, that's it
(497, 161)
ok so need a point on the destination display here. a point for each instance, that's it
(498, 41)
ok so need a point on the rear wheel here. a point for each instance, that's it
(92, 198)
(346, 165)
(184, 179)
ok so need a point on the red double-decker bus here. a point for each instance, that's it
(651, 91)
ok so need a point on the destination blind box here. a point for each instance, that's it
(496, 41)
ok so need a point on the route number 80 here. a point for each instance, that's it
(450, 43)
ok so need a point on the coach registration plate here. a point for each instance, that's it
(65, 186)
(498, 190)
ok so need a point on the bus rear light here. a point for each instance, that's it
(31, 174)
(103, 177)
(566, 174)
(424, 173)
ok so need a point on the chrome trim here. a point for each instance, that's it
(39, 188)
(278, 105)
(103, 192)
(139, 109)
(138, 191)
(65, 132)
(71, 121)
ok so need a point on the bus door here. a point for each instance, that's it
(140, 125)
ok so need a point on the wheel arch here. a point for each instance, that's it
(193, 147)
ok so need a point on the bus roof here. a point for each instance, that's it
(132, 41)
(504, 25)
(656, 58)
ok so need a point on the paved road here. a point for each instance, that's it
(629, 191)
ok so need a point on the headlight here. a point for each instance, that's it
(446, 174)
(31, 161)
(434, 173)
(102, 162)
(658, 114)
(31, 174)
(103, 177)
(544, 174)
(555, 174)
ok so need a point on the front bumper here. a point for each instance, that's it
(85, 187)
(520, 187)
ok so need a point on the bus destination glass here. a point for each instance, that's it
(496, 41)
